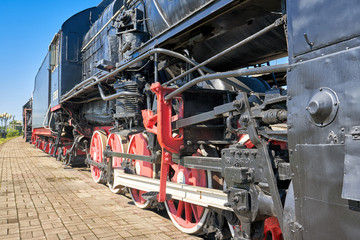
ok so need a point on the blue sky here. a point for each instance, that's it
(27, 27)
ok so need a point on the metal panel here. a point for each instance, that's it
(318, 152)
(324, 22)
(323, 212)
(351, 189)
(70, 68)
(41, 95)
(337, 71)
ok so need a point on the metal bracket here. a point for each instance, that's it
(355, 132)
(261, 145)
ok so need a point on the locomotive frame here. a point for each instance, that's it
(151, 102)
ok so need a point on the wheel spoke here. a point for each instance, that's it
(142, 200)
(180, 209)
(187, 217)
(188, 212)
(195, 212)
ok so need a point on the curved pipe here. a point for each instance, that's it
(95, 80)
(116, 95)
(277, 23)
(222, 75)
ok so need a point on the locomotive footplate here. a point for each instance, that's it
(201, 196)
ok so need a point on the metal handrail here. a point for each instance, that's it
(222, 75)
(277, 23)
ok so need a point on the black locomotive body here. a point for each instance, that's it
(182, 103)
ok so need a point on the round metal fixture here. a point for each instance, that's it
(322, 107)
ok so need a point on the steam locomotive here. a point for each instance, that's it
(183, 104)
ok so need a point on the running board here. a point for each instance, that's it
(205, 197)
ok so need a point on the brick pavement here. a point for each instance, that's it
(39, 199)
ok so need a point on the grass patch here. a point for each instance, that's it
(4, 140)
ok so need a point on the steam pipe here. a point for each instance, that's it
(222, 75)
(116, 95)
(95, 80)
(277, 22)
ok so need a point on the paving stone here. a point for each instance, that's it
(40, 199)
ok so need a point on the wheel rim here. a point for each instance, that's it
(138, 145)
(97, 146)
(187, 217)
(115, 143)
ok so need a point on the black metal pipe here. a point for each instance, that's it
(116, 95)
(156, 68)
(88, 83)
(277, 23)
(222, 75)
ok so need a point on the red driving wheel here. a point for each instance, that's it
(115, 143)
(187, 217)
(97, 146)
(138, 145)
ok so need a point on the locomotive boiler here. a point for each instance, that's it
(237, 117)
